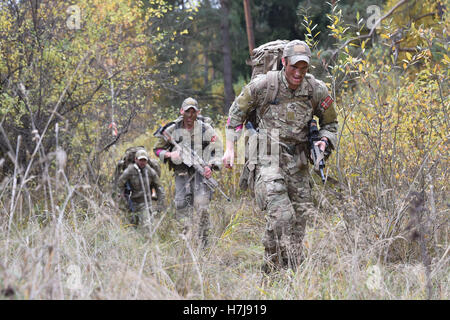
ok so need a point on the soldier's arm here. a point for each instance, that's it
(325, 111)
(162, 146)
(242, 106)
(238, 113)
(122, 181)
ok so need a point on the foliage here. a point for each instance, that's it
(380, 230)
(392, 142)
(93, 79)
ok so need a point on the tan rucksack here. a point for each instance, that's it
(267, 58)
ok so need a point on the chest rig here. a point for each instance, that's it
(285, 110)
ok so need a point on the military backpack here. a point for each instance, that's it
(128, 158)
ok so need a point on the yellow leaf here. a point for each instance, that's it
(408, 55)
(446, 59)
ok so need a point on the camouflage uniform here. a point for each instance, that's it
(141, 181)
(190, 190)
(284, 190)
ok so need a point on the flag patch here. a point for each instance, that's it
(327, 102)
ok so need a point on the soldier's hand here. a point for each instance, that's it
(321, 144)
(207, 172)
(228, 158)
(174, 156)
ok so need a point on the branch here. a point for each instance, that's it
(365, 36)
(41, 137)
(408, 49)
(123, 131)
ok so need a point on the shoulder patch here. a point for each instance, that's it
(327, 102)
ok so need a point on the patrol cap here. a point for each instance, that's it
(189, 103)
(296, 51)
(142, 154)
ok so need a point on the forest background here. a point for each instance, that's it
(80, 81)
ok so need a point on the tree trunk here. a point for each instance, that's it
(249, 25)
(226, 49)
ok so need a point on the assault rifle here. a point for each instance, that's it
(317, 155)
(127, 194)
(190, 158)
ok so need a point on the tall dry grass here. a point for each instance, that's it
(61, 240)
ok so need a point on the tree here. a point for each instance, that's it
(226, 47)
(87, 68)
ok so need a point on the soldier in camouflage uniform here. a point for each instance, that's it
(190, 190)
(141, 178)
(284, 189)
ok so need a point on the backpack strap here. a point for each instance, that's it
(272, 91)
(310, 88)
(272, 87)
(310, 92)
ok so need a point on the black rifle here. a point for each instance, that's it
(127, 194)
(190, 159)
(317, 155)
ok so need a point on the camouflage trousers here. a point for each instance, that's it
(287, 199)
(192, 198)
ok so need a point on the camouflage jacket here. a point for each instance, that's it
(202, 139)
(289, 113)
(131, 175)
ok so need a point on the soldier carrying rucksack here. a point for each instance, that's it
(134, 186)
(127, 159)
(283, 102)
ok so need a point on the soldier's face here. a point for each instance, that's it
(295, 73)
(189, 117)
(141, 163)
